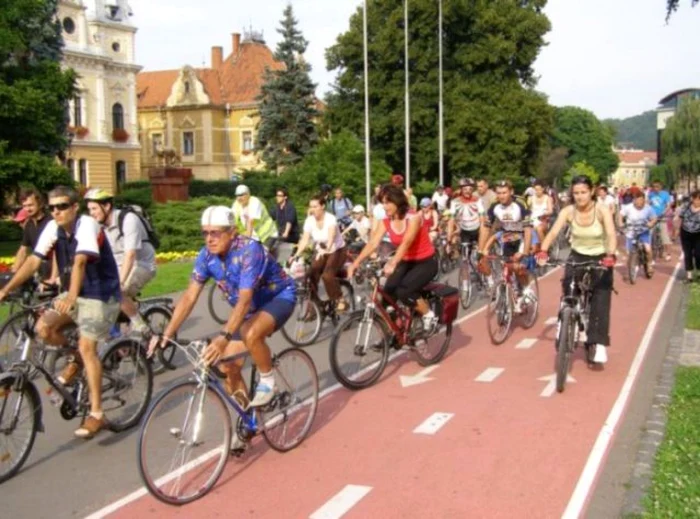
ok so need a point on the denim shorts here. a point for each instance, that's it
(280, 310)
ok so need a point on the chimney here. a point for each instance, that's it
(236, 39)
(217, 57)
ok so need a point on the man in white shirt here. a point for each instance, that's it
(440, 198)
(360, 223)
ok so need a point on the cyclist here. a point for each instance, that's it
(37, 218)
(430, 217)
(638, 215)
(252, 219)
(90, 280)
(285, 215)
(512, 217)
(440, 198)
(360, 224)
(321, 229)
(261, 294)
(485, 193)
(541, 206)
(134, 254)
(341, 207)
(413, 265)
(593, 238)
(660, 202)
(467, 210)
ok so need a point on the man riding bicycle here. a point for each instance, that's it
(252, 219)
(660, 201)
(638, 216)
(90, 280)
(134, 254)
(467, 210)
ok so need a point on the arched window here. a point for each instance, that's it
(121, 174)
(117, 117)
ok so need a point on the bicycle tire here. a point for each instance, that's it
(633, 266)
(358, 318)
(529, 318)
(112, 360)
(565, 346)
(29, 394)
(305, 306)
(9, 335)
(290, 405)
(164, 355)
(648, 270)
(428, 359)
(500, 308)
(466, 287)
(212, 303)
(160, 404)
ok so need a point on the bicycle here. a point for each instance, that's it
(470, 279)
(501, 309)
(369, 354)
(173, 432)
(657, 246)
(446, 261)
(20, 403)
(638, 255)
(574, 314)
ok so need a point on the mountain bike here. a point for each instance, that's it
(637, 255)
(185, 438)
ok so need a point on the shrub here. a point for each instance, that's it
(10, 231)
(142, 196)
(177, 223)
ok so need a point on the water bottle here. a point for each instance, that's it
(55, 397)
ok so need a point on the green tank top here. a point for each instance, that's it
(588, 240)
(263, 228)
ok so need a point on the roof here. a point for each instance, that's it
(677, 93)
(636, 156)
(237, 81)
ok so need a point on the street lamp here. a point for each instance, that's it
(367, 161)
(440, 111)
(408, 106)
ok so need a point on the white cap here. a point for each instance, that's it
(242, 189)
(358, 209)
(217, 216)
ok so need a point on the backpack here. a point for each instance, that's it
(347, 203)
(145, 220)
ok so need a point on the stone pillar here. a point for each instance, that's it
(170, 183)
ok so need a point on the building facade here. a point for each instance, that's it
(634, 167)
(666, 109)
(99, 45)
(208, 115)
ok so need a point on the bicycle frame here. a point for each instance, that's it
(400, 330)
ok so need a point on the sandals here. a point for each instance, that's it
(341, 306)
(91, 426)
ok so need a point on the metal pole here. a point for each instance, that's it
(368, 179)
(442, 149)
(408, 107)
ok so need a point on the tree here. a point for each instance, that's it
(496, 124)
(581, 168)
(34, 93)
(672, 7)
(554, 165)
(586, 138)
(287, 131)
(680, 141)
(662, 173)
(638, 131)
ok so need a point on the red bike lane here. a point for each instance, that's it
(507, 445)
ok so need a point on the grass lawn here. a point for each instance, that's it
(693, 316)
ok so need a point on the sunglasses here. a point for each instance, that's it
(60, 207)
(214, 234)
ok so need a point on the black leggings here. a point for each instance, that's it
(690, 241)
(598, 331)
(409, 278)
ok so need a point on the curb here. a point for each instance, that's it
(655, 425)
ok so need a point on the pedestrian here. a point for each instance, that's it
(285, 215)
(689, 219)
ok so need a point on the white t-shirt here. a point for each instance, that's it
(636, 218)
(320, 235)
(362, 227)
(467, 213)
(86, 236)
(441, 200)
(135, 238)
(610, 202)
(253, 211)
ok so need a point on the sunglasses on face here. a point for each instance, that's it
(60, 207)
(214, 234)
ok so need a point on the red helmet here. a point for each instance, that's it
(397, 180)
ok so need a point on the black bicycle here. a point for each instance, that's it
(637, 255)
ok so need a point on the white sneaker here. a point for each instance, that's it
(583, 336)
(263, 394)
(428, 320)
(601, 354)
(518, 306)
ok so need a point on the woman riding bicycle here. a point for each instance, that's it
(430, 217)
(321, 229)
(413, 265)
(593, 239)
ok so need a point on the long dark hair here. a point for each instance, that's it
(581, 179)
(395, 194)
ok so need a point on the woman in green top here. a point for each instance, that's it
(593, 238)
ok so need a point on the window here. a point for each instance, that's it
(68, 25)
(82, 172)
(116, 47)
(70, 164)
(247, 141)
(117, 117)
(188, 143)
(121, 174)
(77, 111)
(157, 141)
(187, 87)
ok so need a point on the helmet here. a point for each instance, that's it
(98, 195)
(425, 202)
(358, 209)
(464, 182)
(397, 179)
(447, 213)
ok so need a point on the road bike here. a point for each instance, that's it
(637, 255)
(471, 281)
(186, 435)
(360, 346)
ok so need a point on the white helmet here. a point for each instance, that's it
(217, 216)
(358, 209)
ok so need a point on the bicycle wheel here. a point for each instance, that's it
(287, 420)
(499, 313)
(184, 443)
(432, 349)
(648, 270)
(218, 305)
(565, 345)
(532, 302)
(466, 287)
(127, 383)
(157, 318)
(10, 340)
(304, 326)
(633, 265)
(359, 350)
(20, 416)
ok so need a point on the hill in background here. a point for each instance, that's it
(638, 131)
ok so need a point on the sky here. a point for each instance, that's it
(616, 58)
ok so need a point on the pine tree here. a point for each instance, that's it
(34, 93)
(287, 131)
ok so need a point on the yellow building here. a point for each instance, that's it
(208, 115)
(634, 168)
(99, 45)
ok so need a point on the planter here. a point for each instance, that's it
(120, 135)
(81, 131)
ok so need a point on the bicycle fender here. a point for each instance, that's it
(12, 378)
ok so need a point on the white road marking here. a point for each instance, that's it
(489, 375)
(595, 459)
(551, 321)
(434, 423)
(552, 384)
(418, 378)
(525, 344)
(340, 503)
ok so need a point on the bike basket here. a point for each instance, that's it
(447, 302)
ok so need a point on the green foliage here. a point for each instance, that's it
(142, 196)
(662, 173)
(33, 95)
(136, 184)
(581, 168)
(586, 138)
(10, 231)
(495, 123)
(638, 131)
(672, 7)
(554, 165)
(681, 141)
(177, 223)
(287, 131)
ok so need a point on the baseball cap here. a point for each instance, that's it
(217, 216)
(358, 209)
(425, 202)
(21, 215)
(397, 180)
(242, 189)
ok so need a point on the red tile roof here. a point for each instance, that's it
(636, 156)
(238, 81)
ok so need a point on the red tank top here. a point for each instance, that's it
(421, 248)
(427, 220)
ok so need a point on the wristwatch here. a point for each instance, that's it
(227, 335)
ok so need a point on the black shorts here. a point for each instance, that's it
(469, 236)
(511, 248)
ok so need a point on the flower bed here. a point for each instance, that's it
(161, 257)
